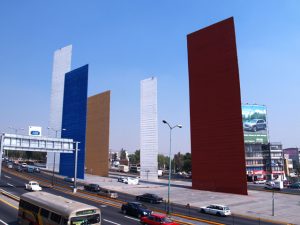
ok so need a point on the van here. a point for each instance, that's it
(30, 169)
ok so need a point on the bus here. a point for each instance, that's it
(40, 208)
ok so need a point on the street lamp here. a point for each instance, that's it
(15, 129)
(169, 181)
(56, 136)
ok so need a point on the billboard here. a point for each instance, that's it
(255, 124)
(35, 131)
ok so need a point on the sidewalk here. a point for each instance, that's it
(257, 204)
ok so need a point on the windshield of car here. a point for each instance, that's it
(85, 220)
(166, 220)
(226, 208)
(142, 206)
(253, 121)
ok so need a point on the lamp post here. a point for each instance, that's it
(169, 181)
(56, 136)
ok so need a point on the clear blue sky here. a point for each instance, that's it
(125, 41)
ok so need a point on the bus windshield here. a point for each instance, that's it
(85, 220)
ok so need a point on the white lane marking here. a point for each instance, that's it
(3, 222)
(132, 218)
(10, 185)
(7, 177)
(108, 222)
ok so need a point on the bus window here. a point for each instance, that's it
(55, 217)
(84, 220)
(44, 213)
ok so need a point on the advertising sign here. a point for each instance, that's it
(255, 123)
(35, 131)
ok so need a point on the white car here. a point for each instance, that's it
(259, 181)
(33, 186)
(219, 210)
(131, 180)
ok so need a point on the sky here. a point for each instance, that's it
(126, 41)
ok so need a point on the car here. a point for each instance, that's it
(255, 125)
(219, 210)
(131, 180)
(108, 193)
(136, 209)
(273, 185)
(30, 169)
(121, 179)
(69, 179)
(92, 187)
(9, 165)
(157, 219)
(33, 186)
(37, 170)
(147, 197)
(19, 168)
(24, 165)
(295, 185)
(286, 183)
(259, 181)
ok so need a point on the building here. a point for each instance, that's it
(215, 110)
(97, 134)
(148, 129)
(288, 166)
(294, 155)
(273, 160)
(255, 167)
(74, 119)
(61, 65)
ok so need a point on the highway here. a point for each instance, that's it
(8, 214)
(13, 182)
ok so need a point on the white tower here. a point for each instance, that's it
(148, 129)
(61, 65)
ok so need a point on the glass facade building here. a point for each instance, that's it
(74, 119)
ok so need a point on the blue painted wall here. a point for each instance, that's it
(74, 119)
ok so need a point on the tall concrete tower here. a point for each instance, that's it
(61, 65)
(148, 129)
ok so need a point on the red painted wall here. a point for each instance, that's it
(217, 141)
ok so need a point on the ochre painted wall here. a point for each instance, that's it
(97, 136)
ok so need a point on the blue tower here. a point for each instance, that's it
(74, 119)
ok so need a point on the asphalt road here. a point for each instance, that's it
(110, 214)
(8, 214)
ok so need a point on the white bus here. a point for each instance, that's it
(40, 208)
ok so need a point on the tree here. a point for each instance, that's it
(163, 161)
(135, 157)
(187, 162)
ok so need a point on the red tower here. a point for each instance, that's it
(217, 141)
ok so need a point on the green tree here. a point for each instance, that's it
(187, 162)
(135, 157)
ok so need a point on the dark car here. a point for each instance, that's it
(295, 185)
(92, 187)
(19, 168)
(152, 198)
(135, 209)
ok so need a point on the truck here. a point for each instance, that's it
(33, 186)
(123, 168)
